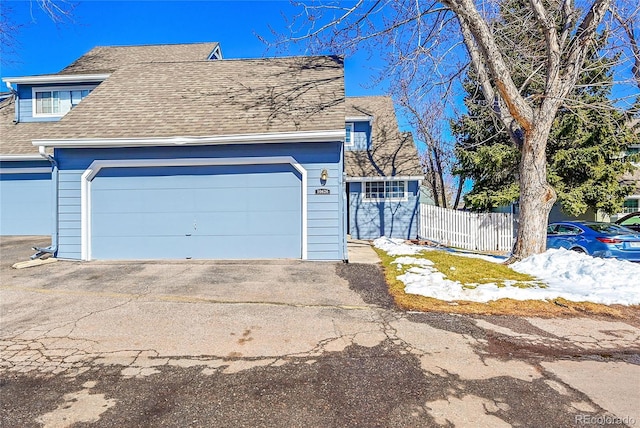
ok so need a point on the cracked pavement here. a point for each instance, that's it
(288, 344)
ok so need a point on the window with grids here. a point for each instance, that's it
(54, 102)
(631, 205)
(377, 190)
(348, 139)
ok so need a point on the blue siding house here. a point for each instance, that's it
(26, 189)
(155, 154)
(171, 152)
(383, 172)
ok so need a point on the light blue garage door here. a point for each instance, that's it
(216, 212)
(26, 204)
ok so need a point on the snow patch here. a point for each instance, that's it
(567, 274)
(397, 247)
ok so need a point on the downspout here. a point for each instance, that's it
(17, 102)
(343, 209)
(53, 248)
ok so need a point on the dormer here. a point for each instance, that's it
(358, 133)
(216, 53)
(48, 98)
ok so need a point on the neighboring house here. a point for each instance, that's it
(26, 190)
(632, 202)
(383, 172)
(193, 158)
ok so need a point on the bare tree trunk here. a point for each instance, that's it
(431, 177)
(536, 196)
(440, 177)
(461, 180)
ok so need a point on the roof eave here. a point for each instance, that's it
(262, 138)
(56, 78)
(20, 158)
(359, 119)
(387, 178)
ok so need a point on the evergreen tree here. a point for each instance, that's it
(584, 151)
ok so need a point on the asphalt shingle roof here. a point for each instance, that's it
(15, 138)
(211, 98)
(392, 153)
(106, 59)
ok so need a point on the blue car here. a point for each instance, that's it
(596, 239)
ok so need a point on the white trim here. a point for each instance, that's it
(404, 198)
(95, 167)
(387, 178)
(37, 89)
(359, 119)
(57, 78)
(350, 133)
(215, 54)
(35, 170)
(17, 158)
(270, 137)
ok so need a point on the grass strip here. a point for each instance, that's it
(477, 271)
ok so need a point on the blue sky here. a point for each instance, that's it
(45, 47)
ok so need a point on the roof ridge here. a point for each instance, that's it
(153, 44)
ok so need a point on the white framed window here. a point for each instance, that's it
(631, 205)
(57, 101)
(395, 190)
(348, 139)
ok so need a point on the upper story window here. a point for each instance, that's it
(49, 102)
(385, 190)
(348, 139)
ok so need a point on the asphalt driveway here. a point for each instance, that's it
(287, 343)
(269, 281)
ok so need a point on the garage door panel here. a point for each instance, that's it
(148, 182)
(252, 212)
(244, 223)
(221, 223)
(141, 200)
(25, 204)
(132, 247)
(142, 224)
(226, 247)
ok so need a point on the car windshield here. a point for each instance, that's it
(633, 220)
(609, 228)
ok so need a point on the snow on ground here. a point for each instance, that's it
(397, 247)
(566, 274)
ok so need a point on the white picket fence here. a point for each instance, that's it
(462, 229)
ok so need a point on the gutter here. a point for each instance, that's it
(360, 119)
(272, 137)
(56, 78)
(53, 248)
(387, 178)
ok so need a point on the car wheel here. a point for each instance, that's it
(578, 250)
